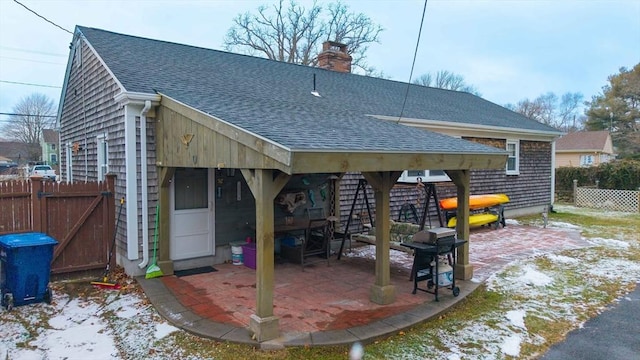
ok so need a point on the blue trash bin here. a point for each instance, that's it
(25, 265)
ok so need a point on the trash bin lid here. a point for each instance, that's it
(26, 239)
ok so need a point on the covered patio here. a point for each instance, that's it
(330, 304)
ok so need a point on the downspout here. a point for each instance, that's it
(145, 189)
(553, 171)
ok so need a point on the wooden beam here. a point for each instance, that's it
(462, 179)
(340, 162)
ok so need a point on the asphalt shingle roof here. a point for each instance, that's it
(273, 99)
(583, 140)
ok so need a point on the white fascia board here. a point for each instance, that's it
(136, 98)
(581, 151)
(473, 130)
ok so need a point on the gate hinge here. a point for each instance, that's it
(42, 194)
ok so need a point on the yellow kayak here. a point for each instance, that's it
(475, 201)
(476, 220)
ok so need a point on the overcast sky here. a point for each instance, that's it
(509, 50)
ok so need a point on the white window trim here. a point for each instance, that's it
(584, 158)
(425, 177)
(69, 160)
(103, 156)
(515, 171)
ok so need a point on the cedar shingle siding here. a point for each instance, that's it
(93, 89)
(530, 188)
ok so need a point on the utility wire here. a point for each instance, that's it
(29, 84)
(415, 54)
(29, 60)
(31, 51)
(42, 17)
(13, 114)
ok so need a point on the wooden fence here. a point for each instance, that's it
(80, 216)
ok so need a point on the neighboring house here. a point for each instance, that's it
(19, 152)
(213, 138)
(584, 148)
(50, 148)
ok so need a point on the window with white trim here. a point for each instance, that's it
(513, 160)
(412, 176)
(103, 156)
(53, 159)
(586, 160)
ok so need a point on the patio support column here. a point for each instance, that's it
(165, 263)
(264, 187)
(382, 292)
(462, 179)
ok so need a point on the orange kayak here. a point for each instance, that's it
(476, 220)
(475, 201)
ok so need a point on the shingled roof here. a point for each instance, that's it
(583, 141)
(273, 99)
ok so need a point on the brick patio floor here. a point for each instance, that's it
(323, 298)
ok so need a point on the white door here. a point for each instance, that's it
(192, 214)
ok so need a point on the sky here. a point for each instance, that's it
(508, 49)
(109, 325)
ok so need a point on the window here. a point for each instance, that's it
(53, 159)
(103, 156)
(191, 188)
(513, 161)
(411, 176)
(586, 160)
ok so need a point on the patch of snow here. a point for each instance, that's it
(534, 277)
(163, 330)
(516, 318)
(511, 222)
(88, 340)
(563, 225)
(562, 259)
(511, 345)
(610, 242)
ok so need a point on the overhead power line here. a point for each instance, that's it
(415, 54)
(32, 51)
(42, 17)
(29, 60)
(14, 114)
(29, 84)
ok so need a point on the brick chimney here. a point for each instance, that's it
(334, 57)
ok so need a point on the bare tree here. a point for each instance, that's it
(445, 79)
(31, 115)
(550, 110)
(294, 34)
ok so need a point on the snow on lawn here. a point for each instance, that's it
(95, 328)
(545, 287)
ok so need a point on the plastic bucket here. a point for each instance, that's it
(236, 254)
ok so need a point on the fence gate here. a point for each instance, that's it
(80, 216)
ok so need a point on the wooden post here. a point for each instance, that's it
(165, 174)
(382, 292)
(264, 188)
(110, 211)
(462, 179)
(37, 205)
